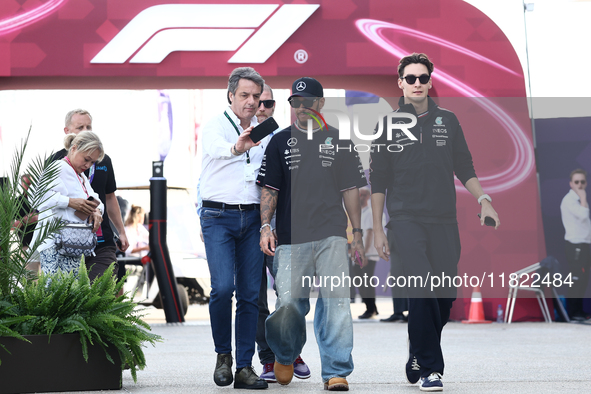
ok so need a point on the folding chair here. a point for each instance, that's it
(538, 291)
(548, 265)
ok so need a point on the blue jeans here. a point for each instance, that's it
(333, 326)
(235, 264)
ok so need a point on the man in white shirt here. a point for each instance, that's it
(230, 222)
(577, 225)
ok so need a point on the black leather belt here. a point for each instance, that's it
(238, 207)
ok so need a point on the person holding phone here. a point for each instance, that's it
(421, 203)
(306, 181)
(71, 198)
(102, 178)
(230, 222)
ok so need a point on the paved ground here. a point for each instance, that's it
(491, 358)
(524, 358)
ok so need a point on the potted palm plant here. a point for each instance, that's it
(73, 335)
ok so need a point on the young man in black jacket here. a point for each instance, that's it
(418, 175)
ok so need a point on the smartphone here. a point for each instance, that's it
(263, 129)
(488, 221)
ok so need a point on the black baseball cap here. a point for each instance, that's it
(306, 87)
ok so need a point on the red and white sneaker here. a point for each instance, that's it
(300, 369)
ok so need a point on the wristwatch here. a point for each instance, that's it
(358, 230)
(484, 197)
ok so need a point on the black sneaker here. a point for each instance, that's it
(413, 369)
(222, 376)
(396, 317)
(432, 382)
(247, 378)
(368, 314)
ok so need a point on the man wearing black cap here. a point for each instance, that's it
(266, 356)
(306, 178)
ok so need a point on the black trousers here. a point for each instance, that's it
(103, 258)
(265, 353)
(578, 257)
(399, 294)
(427, 250)
(366, 290)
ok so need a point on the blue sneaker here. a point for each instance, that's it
(268, 374)
(413, 369)
(300, 369)
(432, 382)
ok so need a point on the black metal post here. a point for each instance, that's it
(158, 248)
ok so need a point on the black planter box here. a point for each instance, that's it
(42, 366)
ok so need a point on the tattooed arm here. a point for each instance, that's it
(268, 205)
(353, 208)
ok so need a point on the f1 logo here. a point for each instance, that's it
(162, 29)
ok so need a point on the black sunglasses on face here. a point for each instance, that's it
(581, 182)
(296, 102)
(267, 103)
(410, 79)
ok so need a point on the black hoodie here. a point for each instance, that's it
(419, 179)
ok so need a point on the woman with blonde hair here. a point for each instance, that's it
(138, 236)
(71, 198)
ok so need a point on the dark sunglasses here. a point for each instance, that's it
(267, 103)
(581, 182)
(296, 102)
(410, 79)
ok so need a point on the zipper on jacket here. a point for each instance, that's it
(421, 134)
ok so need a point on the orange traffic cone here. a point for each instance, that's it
(476, 315)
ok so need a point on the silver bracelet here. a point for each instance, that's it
(263, 226)
(238, 153)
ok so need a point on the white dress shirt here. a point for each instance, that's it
(223, 174)
(575, 219)
(55, 202)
